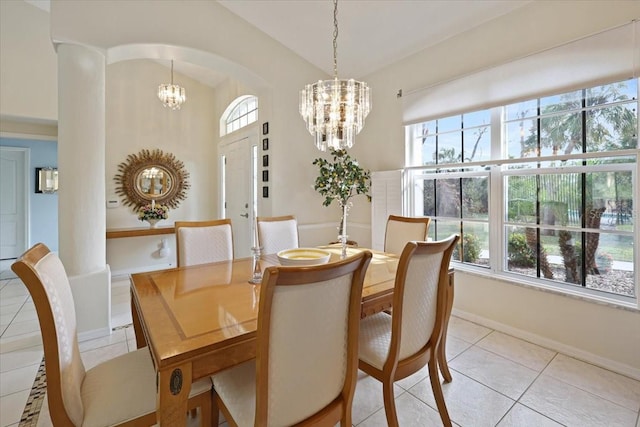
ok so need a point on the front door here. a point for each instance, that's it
(13, 202)
(239, 198)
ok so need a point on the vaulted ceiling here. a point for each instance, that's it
(372, 33)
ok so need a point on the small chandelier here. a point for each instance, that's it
(172, 96)
(335, 109)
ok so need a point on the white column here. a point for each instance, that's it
(81, 158)
(81, 194)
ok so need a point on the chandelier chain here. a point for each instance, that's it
(171, 95)
(335, 39)
(335, 109)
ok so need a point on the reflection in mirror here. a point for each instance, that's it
(152, 176)
(154, 182)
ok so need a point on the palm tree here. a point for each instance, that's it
(609, 127)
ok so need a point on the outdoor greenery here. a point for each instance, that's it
(520, 254)
(550, 205)
(610, 125)
(470, 248)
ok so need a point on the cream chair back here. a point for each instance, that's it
(395, 346)
(309, 354)
(200, 242)
(46, 279)
(401, 229)
(117, 392)
(421, 281)
(277, 233)
(306, 365)
(419, 302)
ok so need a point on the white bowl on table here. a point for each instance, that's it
(303, 256)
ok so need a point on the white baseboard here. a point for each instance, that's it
(93, 334)
(568, 350)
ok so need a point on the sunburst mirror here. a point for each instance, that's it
(152, 175)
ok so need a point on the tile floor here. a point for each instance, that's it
(498, 380)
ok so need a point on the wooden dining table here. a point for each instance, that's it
(202, 319)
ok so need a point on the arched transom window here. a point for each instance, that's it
(240, 113)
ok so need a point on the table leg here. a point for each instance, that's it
(442, 347)
(137, 326)
(174, 386)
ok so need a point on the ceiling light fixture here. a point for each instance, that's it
(172, 96)
(335, 109)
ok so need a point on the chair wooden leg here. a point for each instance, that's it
(442, 345)
(442, 360)
(215, 410)
(389, 403)
(346, 421)
(437, 392)
(206, 412)
(204, 403)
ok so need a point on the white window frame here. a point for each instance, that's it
(230, 124)
(498, 170)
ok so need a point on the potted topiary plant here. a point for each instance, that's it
(340, 180)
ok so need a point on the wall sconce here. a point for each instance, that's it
(165, 249)
(46, 180)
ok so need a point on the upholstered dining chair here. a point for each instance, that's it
(395, 346)
(403, 229)
(277, 233)
(306, 365)
(120, 391)
(200, 242)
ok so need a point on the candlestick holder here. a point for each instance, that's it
(343, 239)
(257, 271)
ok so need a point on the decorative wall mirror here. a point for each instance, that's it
(152, 176)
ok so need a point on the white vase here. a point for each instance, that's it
(153, 222)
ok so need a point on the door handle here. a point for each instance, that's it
(245, 215)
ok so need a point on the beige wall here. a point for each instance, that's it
(136, 120)
(28, 63)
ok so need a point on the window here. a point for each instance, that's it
(455, 198)
(240, 113)
(546, 185)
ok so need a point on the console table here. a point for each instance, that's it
(115, 233)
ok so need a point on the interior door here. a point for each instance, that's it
(238, 198)
(13, 202)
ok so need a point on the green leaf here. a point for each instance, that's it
(341, 179)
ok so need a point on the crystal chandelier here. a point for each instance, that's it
(335, 109)
(172, 96)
